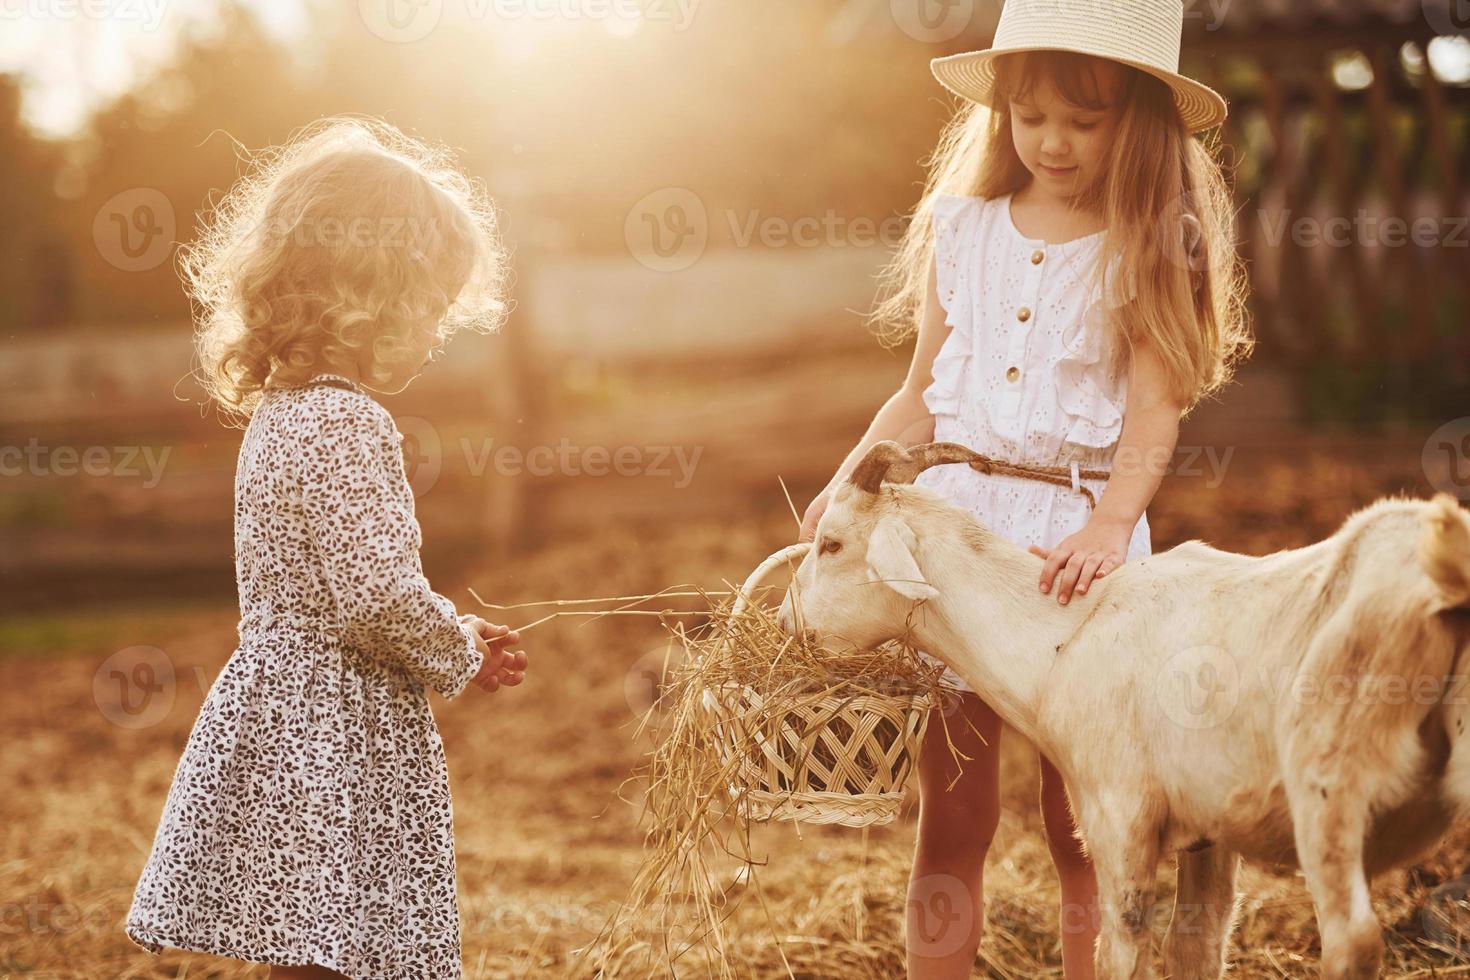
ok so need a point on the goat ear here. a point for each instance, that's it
(891, 560)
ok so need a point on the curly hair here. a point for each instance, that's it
(351, 242)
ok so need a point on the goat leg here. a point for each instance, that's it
(1123, 840)
(1329, 841)
(1204, 913)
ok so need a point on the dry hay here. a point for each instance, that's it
(755, 723)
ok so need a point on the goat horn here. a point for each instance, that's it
(869, 474)
(888, 462)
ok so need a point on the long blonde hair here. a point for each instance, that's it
(352, 240)
(1168, 212)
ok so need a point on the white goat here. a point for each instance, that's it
(1298, 709)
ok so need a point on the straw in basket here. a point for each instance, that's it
(832, 758)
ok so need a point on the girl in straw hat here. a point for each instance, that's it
(1071, 278)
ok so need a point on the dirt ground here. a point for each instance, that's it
(545, 812)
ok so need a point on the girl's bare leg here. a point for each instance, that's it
(945, 908)
(1079, 917)
(304, 973)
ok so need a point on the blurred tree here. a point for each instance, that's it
(821, 112)
(170, 146)
(567, 121)
(34, 265)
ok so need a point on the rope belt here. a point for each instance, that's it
(1062, 476)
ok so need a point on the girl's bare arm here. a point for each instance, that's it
(1145, 447)
(1146, 444)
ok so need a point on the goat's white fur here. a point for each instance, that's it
(1342, 786)
(891, 559)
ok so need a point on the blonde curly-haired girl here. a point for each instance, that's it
(309, 822)
(353, 247)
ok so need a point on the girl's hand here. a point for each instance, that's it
(1091, 553)
(501, 667)
(814, 513)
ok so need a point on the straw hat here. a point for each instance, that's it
(1141, 33)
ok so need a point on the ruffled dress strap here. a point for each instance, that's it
(956, 238)
(1092, 400)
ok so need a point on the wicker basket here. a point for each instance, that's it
(829, 760)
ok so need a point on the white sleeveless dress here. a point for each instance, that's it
(1023, 374)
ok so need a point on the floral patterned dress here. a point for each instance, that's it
(1023, 374)
(309, 818)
